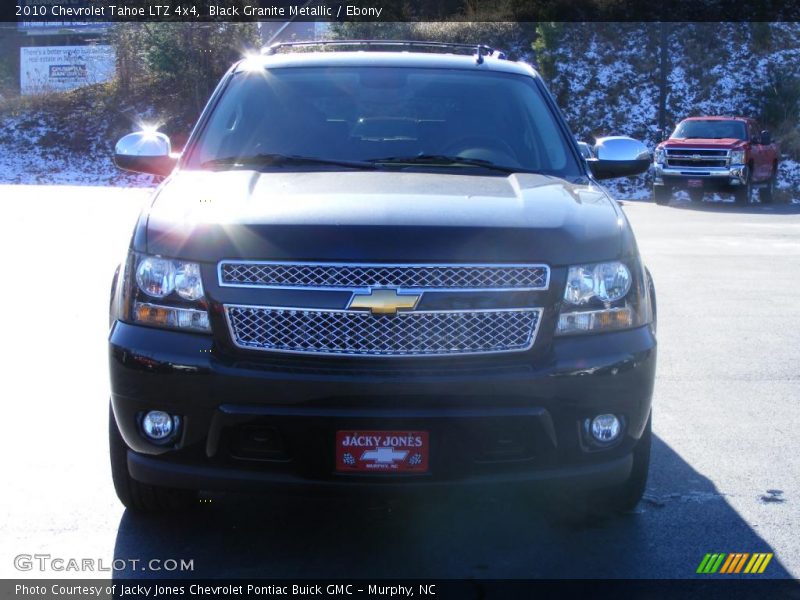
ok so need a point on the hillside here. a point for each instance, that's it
(606, 80)
(605, 77)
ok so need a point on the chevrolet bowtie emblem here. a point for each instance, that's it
(384, 302)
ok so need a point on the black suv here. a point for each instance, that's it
(379, 267)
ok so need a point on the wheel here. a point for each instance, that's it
(582, 508)
(133, 494)
(627, 496)
(695, 195)
(661, 195)
(744, 194)
(767, 193)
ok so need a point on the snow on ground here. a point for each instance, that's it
(26, 157)
(789, 176)
(604, 80)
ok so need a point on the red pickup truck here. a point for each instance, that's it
(723, 154)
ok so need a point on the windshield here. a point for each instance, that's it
(383, 118)
(711, 130)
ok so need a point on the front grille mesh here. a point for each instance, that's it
(364, 334)
(699, 157)
(349, 276)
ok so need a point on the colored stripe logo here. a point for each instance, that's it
(737, 562)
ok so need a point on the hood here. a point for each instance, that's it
(381, 216)
(703, 142)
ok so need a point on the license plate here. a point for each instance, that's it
(382, 451)
(695, 183)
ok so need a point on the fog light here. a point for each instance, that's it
(605, 428)
(158, 425)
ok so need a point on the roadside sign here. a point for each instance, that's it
(61, 68)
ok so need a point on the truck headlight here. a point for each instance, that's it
(176, 285)
(607, 282)
(658, 156)
(737, 157)
(156, 276)
(604, 297)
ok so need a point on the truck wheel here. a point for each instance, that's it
(767, 193)
(744, 194)
(579, 509)
(137, 496)
(662, 195)
(627, 496)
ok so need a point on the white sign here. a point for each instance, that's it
(61, 68)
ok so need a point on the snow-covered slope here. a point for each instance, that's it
(604, 75)
(606, 78)
(30, 155)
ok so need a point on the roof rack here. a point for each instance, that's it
(478, 50)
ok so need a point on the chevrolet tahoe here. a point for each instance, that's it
(385, 268)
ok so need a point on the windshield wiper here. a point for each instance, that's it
(277, 160)
(441, 160)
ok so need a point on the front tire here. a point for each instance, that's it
(661, 195)
(625, 497)
(767, 194)
(744, 194)
(580, 509)
(137, 496)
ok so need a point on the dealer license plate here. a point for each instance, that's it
(695, 183)
(382, 451)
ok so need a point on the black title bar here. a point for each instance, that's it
(81, 11)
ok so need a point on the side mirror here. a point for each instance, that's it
(766, 138)
(619, 156)
(145, 152)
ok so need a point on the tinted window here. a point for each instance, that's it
(714, 130)
(358, 113)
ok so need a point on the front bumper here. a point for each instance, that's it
(511, 421)
(711, 177)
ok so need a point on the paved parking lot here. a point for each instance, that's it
(726, 464)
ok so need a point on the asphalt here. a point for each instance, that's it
(725, 473)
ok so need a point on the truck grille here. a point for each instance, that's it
(416, 333)
(358, 276)
(696, 157)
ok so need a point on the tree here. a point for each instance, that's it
(184, 60)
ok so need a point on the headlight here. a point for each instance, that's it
(607, 282)
(603, 297)
(737, 157)
(156, 276)
(188, 283)
(658, 156)
(176, 284)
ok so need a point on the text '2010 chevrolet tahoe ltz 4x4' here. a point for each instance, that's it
(381, 270)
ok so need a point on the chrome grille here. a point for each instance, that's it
(359, 276)
(696, 157)
(417, 333)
